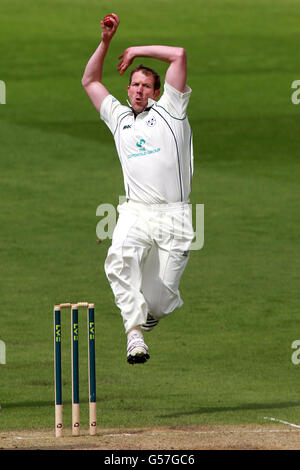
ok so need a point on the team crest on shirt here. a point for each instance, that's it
(151, 122)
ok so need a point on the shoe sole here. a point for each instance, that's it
(139, 356)
(148, 326)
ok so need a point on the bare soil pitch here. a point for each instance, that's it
(242, 437)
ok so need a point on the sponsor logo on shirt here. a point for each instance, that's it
(140, 144)
(142, 150)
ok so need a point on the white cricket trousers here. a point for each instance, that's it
(144, 264)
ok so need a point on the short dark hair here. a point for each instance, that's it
(147, 71)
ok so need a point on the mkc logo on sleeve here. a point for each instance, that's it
(142, 150)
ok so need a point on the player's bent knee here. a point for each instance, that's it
(165, 306)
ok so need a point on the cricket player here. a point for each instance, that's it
(152, 238)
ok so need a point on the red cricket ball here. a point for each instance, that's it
(107, 21)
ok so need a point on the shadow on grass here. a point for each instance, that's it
(199, 411)
(224, 409)
(33, 404)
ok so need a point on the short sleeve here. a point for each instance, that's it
(110, 111)
(174, 101)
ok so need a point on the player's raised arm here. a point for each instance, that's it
(175, 56)
(92, 77)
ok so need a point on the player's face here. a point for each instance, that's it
(140, 89)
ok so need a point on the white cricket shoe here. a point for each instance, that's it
(151, 322)
(137, 350)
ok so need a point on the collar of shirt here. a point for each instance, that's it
(150, 104)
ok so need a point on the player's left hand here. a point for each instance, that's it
(126, 60)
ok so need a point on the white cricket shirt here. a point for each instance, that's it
(155, 147)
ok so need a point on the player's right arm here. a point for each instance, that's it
(92, 77)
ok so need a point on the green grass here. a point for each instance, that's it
(225, 356)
